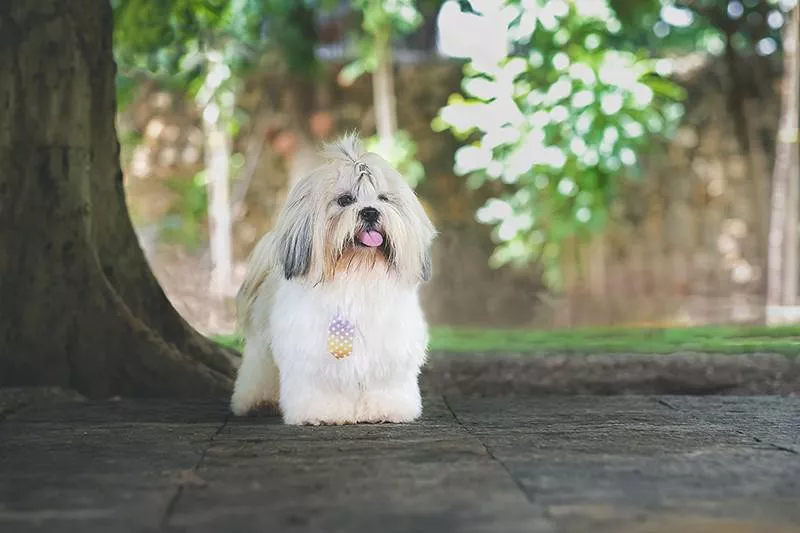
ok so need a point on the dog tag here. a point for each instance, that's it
(340, 337)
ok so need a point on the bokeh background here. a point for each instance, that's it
(589, 163)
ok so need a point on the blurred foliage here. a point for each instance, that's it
(679, 26)
(400, 152)
(184, 222)
(169, 40)
(556, 124)
(380, 22)
(205, 49)
(560, 121)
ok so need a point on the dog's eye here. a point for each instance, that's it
(345, 200)
(383, 198)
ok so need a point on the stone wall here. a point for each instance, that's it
(692, 230)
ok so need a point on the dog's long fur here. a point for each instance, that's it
(310, 269)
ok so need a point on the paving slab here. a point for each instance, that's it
(622, 464)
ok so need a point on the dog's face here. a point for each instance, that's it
(354, 215)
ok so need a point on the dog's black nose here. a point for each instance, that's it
(370, 215)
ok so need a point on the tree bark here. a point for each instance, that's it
(783, 246)
(79, 306)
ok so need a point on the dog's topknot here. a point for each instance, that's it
(348, 149)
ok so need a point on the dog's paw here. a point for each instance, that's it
(389, 418)
(242, 406)
(317, 420)
(390, 407)
(265, 409)
(304, 403)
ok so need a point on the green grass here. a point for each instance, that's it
(717, 339)
(232, 341)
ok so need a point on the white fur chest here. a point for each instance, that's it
(390, 337)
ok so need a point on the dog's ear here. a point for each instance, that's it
(295, 231)
(427, 265)
(296, 248)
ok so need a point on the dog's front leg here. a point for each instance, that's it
(257, 380)
(395, 402)
(307, 398)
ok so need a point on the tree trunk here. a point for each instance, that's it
(79, 306)
(789, 136)
(383, 89)
(216, 99)
(790, 243)
(300, 99)
(783, 246)
(218, 164)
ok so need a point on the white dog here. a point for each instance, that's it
(334, 332)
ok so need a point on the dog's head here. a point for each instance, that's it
(356, 214)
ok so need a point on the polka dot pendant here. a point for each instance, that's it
(340, 337)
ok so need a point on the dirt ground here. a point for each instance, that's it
(185, 279)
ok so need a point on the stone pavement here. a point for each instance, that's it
(617, 464)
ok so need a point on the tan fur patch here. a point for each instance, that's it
(354, 259)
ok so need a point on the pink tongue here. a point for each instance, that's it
(370, 238)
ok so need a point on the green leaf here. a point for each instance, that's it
(563, 121)
(351, 72)
(664, 87)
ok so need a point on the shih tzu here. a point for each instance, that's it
(329, 308)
